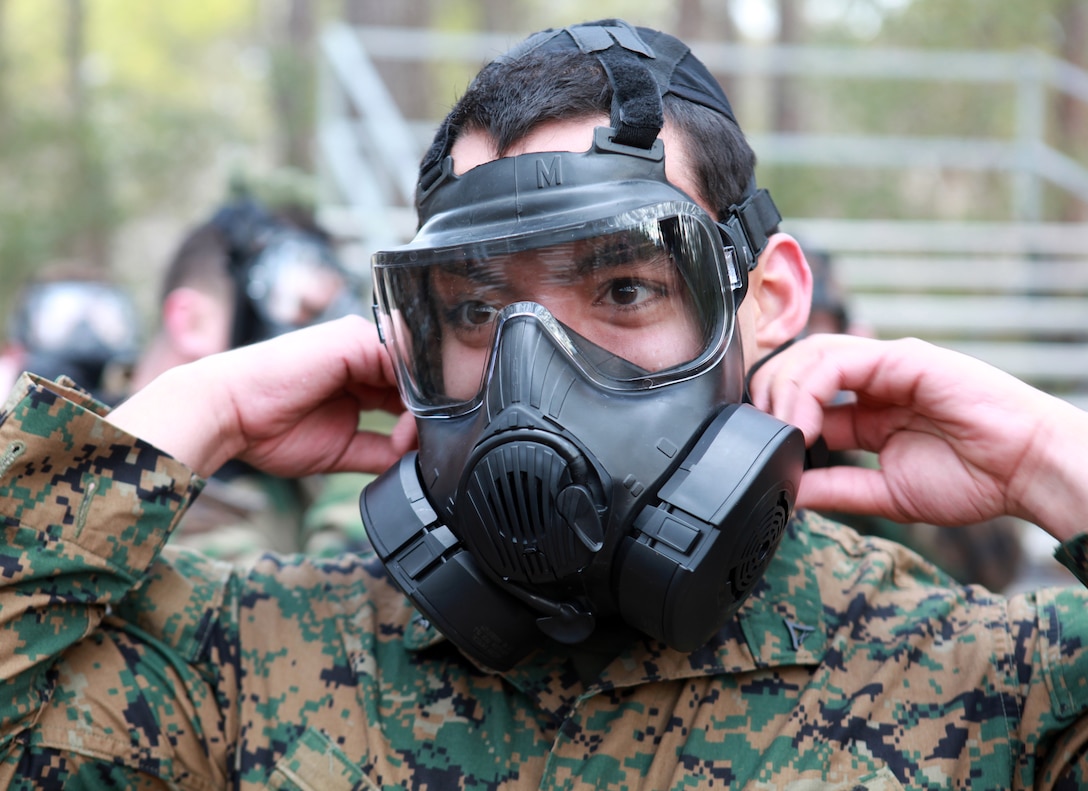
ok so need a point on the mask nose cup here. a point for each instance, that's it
(530, 503)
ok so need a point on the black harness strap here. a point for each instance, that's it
(640, 75)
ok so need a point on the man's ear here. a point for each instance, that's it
(197, 323)
(781, 285)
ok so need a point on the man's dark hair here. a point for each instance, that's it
(509, 98)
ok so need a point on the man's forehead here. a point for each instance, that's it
(559, 262)
(475, 147)
(524, 269)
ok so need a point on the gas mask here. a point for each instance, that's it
(86, 329)
(285, 277)
(563, 329)
(577, 381)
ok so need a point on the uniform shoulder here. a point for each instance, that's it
(855, 553)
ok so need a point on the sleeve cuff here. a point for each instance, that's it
(69, 475)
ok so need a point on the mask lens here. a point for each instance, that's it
(649, 288)
(79, 319)
(295, 282)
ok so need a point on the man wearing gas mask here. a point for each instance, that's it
(555, 533)
(245, 274)
(565, 328)
(250, 271)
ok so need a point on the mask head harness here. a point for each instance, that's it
(562, 326)
(285, 277)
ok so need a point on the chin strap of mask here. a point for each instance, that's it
(817, 454)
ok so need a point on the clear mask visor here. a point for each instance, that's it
(636, 301)
(80, 319)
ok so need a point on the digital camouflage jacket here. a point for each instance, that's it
(853, 665)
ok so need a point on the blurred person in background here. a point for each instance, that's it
(250, 272)
(988, 553)
(74, 322)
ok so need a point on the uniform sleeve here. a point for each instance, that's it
(1056, 709)
(84, 509)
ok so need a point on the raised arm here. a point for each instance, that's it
(289, 406)
(958, 441)
(87, 502)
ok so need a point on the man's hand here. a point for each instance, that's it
(289, 405)
(958, 441)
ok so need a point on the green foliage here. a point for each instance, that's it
(160, 89)
(974, 24)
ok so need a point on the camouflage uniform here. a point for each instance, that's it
(240, 518)
(854, 665)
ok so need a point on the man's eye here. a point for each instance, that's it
(627, 291)
(472, 314)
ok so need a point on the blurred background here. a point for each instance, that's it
(936, 151)
(117, 120)
(931, 156)
(933, 152)
(932, 149)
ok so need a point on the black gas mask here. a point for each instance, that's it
(286, 277)
(563, 329)
(86, 329)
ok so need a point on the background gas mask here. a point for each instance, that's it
(584, 453)
(286, 277)
(86, 329)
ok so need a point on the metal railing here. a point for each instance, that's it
(370, 150)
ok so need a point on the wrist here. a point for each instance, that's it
(176, 413)
(1056, 481)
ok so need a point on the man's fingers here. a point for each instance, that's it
(856, 490)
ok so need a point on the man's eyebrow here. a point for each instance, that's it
(609, 254)
(476, 270)
(617, 253)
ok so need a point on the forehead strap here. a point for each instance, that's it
(642, 65)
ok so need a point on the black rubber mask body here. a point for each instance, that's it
(552, 501)
(557, 504)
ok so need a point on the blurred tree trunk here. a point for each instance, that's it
(407, 80)
(4, 66)
(90, 205)
(1072, 113)
(786, 113)
(294, 84)
(501, 15)
(73, 58)
(689, 18)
